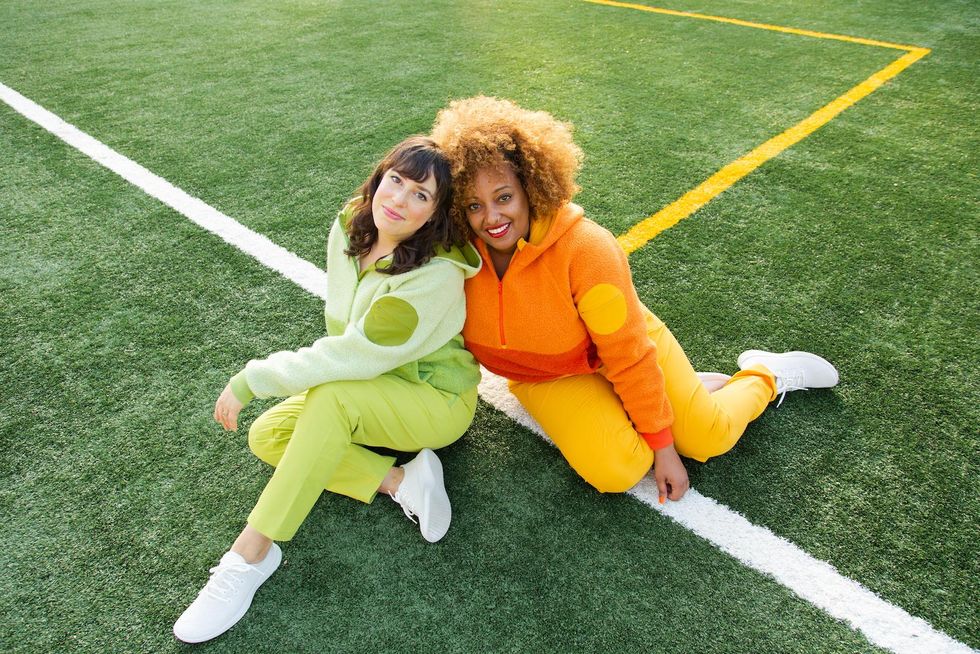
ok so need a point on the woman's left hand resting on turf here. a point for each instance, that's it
(670, 474)
(227, 408)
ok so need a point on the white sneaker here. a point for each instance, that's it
(794, 371)
(713, 381)
(226, 597)
(422, 493)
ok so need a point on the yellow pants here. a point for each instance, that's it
(316, 441)
(586, 420)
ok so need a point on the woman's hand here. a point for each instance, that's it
(670, 473)
(227, 408)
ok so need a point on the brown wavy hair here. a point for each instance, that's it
(485, 132)
(416, 158)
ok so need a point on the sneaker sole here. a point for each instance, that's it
(435, 504)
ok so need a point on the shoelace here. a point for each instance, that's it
(403, 502)
(787, 381)
(225, 577)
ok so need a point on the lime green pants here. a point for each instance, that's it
(586, 420)
(316, 441)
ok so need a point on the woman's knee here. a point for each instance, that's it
(704, 439)
(260, 437)
(618, 480)
(616, 474)
(269, 435)
(704, 450)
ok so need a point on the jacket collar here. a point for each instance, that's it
(544, 233)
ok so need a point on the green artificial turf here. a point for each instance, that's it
(121, 320)
(120, 491)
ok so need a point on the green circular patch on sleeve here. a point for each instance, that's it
(391, 321)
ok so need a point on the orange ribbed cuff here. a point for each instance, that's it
(662, 438)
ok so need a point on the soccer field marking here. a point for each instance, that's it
(748, 23)
(644, 231)
(815, 581)
(300, 271)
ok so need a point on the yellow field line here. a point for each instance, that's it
(747, 23)
(642, 232)
(697, 197)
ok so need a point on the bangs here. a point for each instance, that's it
(416, 164)
(416, 158)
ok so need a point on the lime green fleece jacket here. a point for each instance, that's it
(406, 325)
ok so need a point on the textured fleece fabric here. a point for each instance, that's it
(567, 306)
(406, 325)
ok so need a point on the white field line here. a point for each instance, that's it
(300, 271)
(883, 624)
(816, 581)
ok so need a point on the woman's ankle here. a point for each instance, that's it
(392, 481)
(251, 545)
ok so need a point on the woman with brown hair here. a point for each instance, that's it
(554, 311)
(391, 372)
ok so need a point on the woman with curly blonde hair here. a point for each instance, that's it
(554, 311)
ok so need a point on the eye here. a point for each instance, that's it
(473, 206)
(505, 197)
(396, 179)
(422, 196)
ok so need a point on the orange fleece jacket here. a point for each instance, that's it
(567, 306)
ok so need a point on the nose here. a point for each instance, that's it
(400, 196)
(494, 216)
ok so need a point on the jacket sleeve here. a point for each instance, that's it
(411, 320)
(606, 300)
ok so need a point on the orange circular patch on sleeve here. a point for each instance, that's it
(603, 308)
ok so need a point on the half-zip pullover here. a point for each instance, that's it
(567, 306)
(405, 325)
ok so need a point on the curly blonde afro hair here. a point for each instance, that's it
(485, 132)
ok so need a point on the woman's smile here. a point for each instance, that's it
(497, 209)
(500, 231)
(392, 214)
(401, 206)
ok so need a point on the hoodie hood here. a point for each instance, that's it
(544, 233)
(465, 258)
